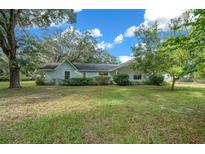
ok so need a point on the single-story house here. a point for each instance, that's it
(67, 70)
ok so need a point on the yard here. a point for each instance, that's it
(102, 114)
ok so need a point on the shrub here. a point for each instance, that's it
(56, 82)
(78, 82)
(101, 80)
(137, 82)
(27, 79)
(4, 78)
(40, 80)
(23, 77)
(156, 80)
(121, 79)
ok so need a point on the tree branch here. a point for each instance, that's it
(3, 14)
(3, 45)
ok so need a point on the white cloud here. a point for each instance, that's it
(119, 39)
(95, 32)
(77, 10)
(163, 16)
(130, 31)
(71, 29)
(104, 45)
(124, 58)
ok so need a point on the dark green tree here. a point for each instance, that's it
(12, 19)
(75, 46)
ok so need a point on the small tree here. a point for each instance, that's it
(175, 62)
(183, 52)
(12, 19)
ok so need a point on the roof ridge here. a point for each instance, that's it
(95, 64)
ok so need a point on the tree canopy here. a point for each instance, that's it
(179, 53)
(75, 46)
(145, 50)
(11, 20)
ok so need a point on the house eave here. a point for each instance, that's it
(123, 64)
(48, 70)
(95, 70)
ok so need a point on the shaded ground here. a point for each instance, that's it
(102, 114)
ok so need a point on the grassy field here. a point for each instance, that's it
(102, 114)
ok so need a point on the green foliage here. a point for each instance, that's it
(29, 54)
(4, 78)
(138, 82)
(78, 82)
(145, 50)
(156, 80)
(199, 75)
(76, 46)
(4, 70)
(40, 80)
(177, 59)
(26, 78)
(101, 80)
(121, 79)
(13, 22)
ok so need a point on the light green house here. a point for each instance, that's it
(67, 70)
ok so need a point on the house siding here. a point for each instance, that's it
(59, 73)
(128, 70)
(91, 74)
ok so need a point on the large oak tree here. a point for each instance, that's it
(21, 19)
(76, 46)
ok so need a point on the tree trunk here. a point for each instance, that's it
(13, 64)
(14, 73)
(173, 83)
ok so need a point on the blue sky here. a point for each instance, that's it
(111, 23)
(113, 29)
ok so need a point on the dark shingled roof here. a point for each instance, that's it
(85, 67)
(50, 66)
(97, 67)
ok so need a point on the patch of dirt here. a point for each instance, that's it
(36, 105)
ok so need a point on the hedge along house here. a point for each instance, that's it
(67, 70)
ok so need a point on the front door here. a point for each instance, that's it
(67, 75)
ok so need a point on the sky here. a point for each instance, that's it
(113, 29)
(112, 25)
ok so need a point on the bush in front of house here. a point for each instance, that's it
(101, 80)
(156, 80)
(40, 80)
(121, 79)
(78, 82)
(137, 82)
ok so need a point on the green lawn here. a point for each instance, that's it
(102, 114)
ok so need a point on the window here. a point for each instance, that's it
(137, 77)
(103, 73)
(67, 75)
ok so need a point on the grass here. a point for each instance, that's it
(102, 114)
